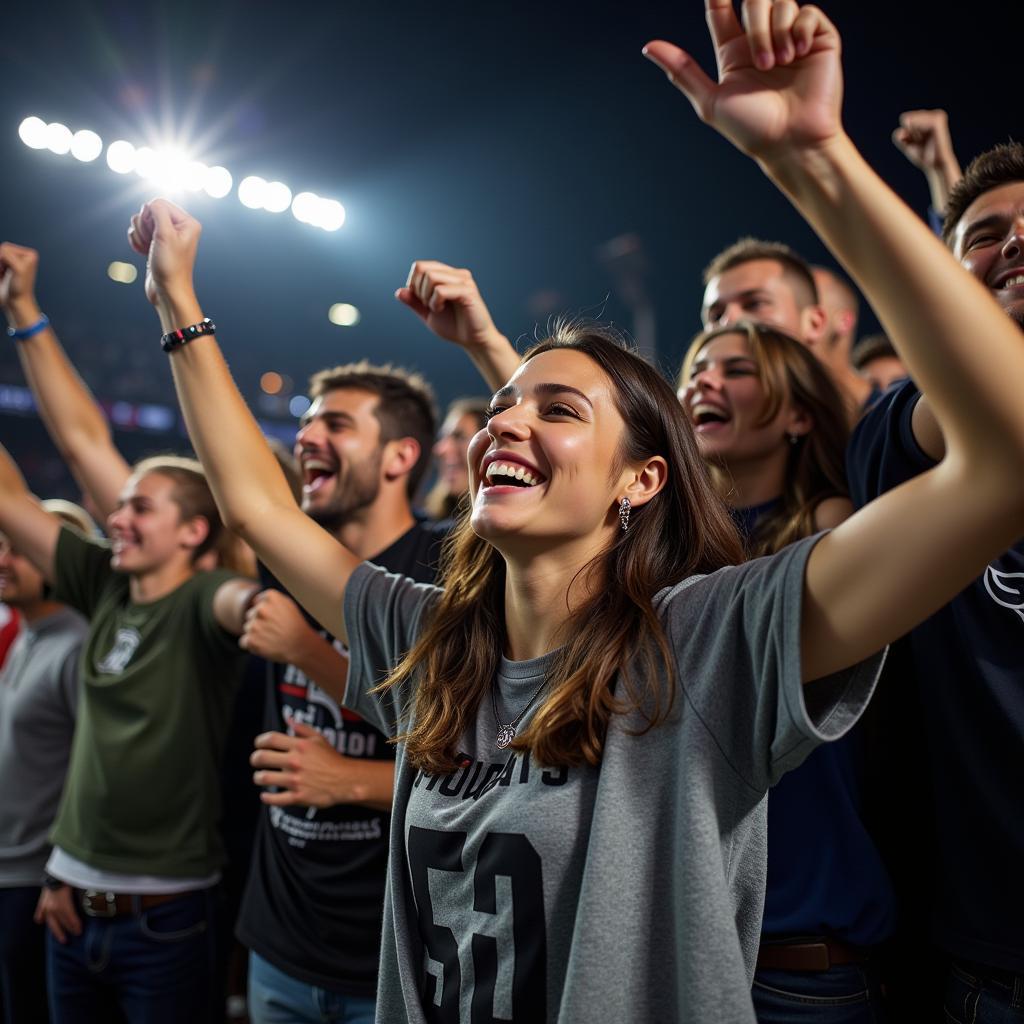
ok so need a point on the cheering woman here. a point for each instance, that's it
(591, 709)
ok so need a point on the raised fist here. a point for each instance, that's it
(18, 266)
(923, 138)
(168, 237)
(448, 301)
(275, 629)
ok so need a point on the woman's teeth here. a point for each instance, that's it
(518, 473)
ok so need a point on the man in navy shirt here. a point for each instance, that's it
(967, 657)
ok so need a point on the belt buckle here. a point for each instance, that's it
(107, 909)
(818, 955)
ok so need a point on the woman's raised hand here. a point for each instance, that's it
(780, 82)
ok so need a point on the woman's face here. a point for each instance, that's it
(725, 402)
(450, 451)
(541, 473)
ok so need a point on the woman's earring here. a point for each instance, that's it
(624, 508)
(793, 438)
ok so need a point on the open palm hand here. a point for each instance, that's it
(779, 79)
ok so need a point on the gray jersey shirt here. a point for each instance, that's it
(628, 892)
(38, 700)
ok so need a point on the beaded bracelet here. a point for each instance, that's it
(175, 339)
(21, 333)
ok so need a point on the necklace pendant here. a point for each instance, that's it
(505, 736)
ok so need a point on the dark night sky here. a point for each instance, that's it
(512, 139)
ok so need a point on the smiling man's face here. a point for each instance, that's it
(989, 241)
(340, 453)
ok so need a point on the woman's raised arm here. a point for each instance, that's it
(250, 489)
(778, 99)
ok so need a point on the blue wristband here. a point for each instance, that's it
(21, 333)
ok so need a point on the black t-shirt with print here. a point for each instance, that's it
(315, 896)
(968, 666)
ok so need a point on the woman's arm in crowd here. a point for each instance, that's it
(250, 489)
(901, 558)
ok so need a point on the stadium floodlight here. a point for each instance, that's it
(173, 171)
(332, 215)
(193, 175)
(310, 208)
(217, 182)
(252, 192)
(122, 273)
(145, 163)
(343, 314)
(32, 131)
(169, 170)
(278, 197)
(305, 207)
(165, 169)
(58, 138)
(121, 157)
(86, 146)
(171, 174)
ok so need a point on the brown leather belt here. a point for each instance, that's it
(811, 954)
(100, 903)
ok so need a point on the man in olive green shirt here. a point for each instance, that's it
(136, 851)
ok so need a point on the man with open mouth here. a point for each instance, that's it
(311, 914)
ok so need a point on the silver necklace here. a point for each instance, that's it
(507, 733)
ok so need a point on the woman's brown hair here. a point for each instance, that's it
(614, 651)
(816, 467)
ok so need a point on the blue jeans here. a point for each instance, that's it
(980, 995)
(844, 994)
(22, 961)
(278, 998)
(157, 965)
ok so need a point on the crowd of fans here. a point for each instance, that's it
(572, 725)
